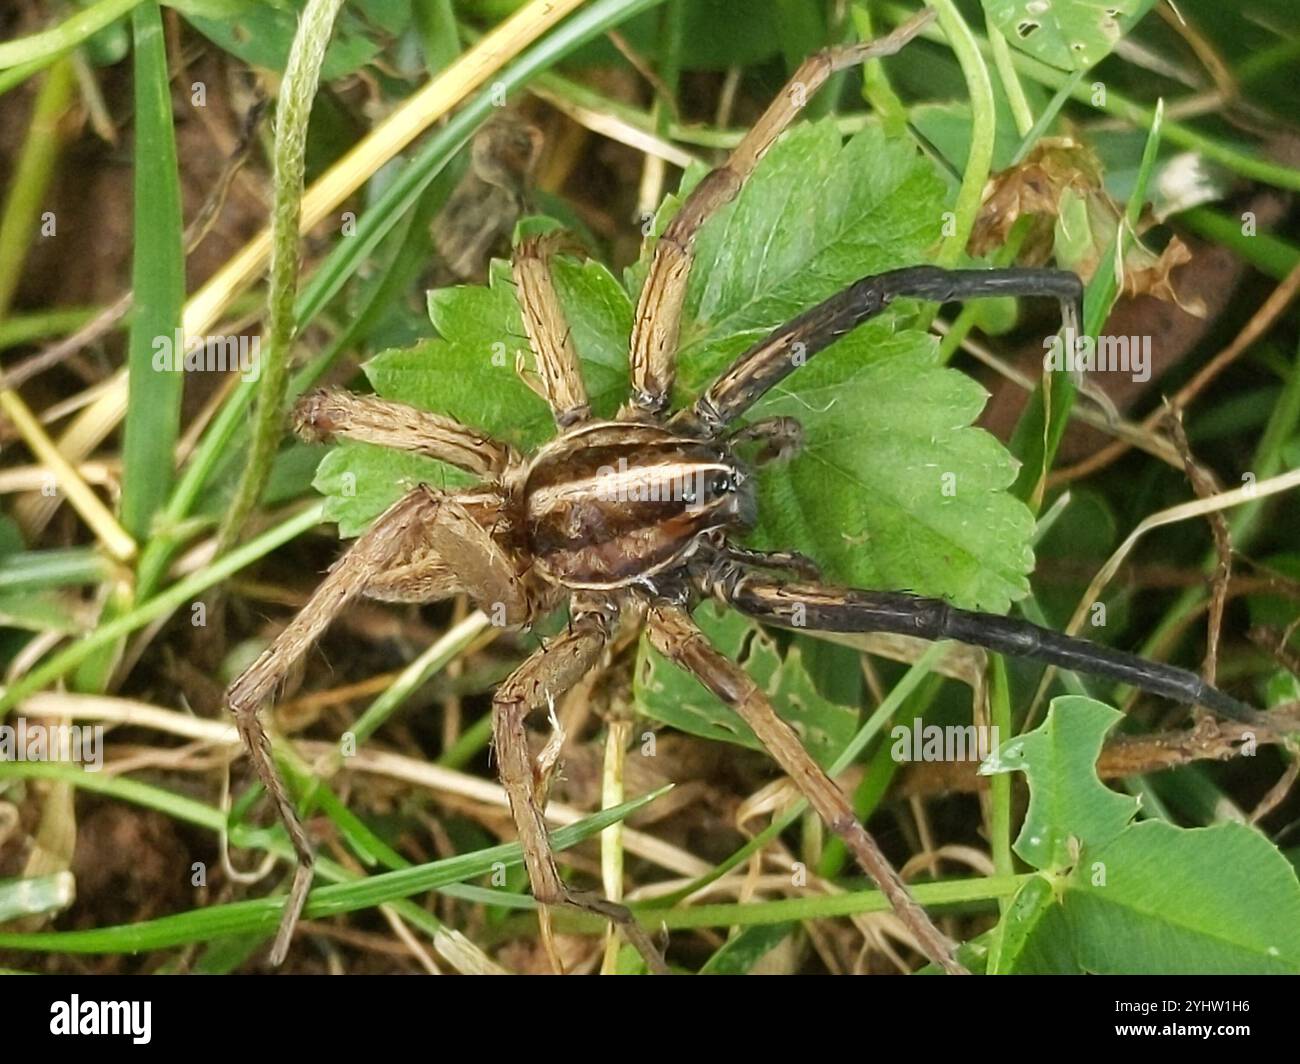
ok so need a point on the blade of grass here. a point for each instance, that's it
(1015, 92)
(37, 570)
(451, 944)
(1045, 120)
(153, 411)
(876, 88)
(33, 170)
(1267, 252)
(42, 324)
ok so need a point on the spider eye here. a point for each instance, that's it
(722, 484)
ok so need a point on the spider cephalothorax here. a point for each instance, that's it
(613, 504)
(633, 518)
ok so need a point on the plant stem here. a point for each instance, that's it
(31, 178)
(979, 162)
(292, 113)
(1020, 110)
(48, 44)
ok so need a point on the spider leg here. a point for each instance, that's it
(389, 539)
(536, 684)
(327, 413)
(814, 607)
(789, 346)
(549, 335)
(676, 636)
(659, 308)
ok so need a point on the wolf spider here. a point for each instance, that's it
(632, 518)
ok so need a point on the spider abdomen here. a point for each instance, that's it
(608, 504)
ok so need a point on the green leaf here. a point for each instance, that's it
(360, 481)
(1220, 899)
(893, 488)
(1066, 799)
(153, 414)
(817, 215)
(1119, 897)
(262, 33)
(739, 954)
(1067, 34)
(665, 693)
(261, 915)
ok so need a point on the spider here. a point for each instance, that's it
(632, 520)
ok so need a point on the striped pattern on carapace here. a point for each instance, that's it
(610, 504)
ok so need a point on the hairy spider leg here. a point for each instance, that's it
(549, 335)
(332, 413)
(389, 540)
(672, 632)
(536, 684)
(657, 322)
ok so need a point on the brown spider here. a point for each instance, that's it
(632, 519)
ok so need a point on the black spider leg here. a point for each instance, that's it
(816, 607)
(789, 346)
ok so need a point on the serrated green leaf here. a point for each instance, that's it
(667, 694)
(893, 488)
(1068, 34)
(1066, 799)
